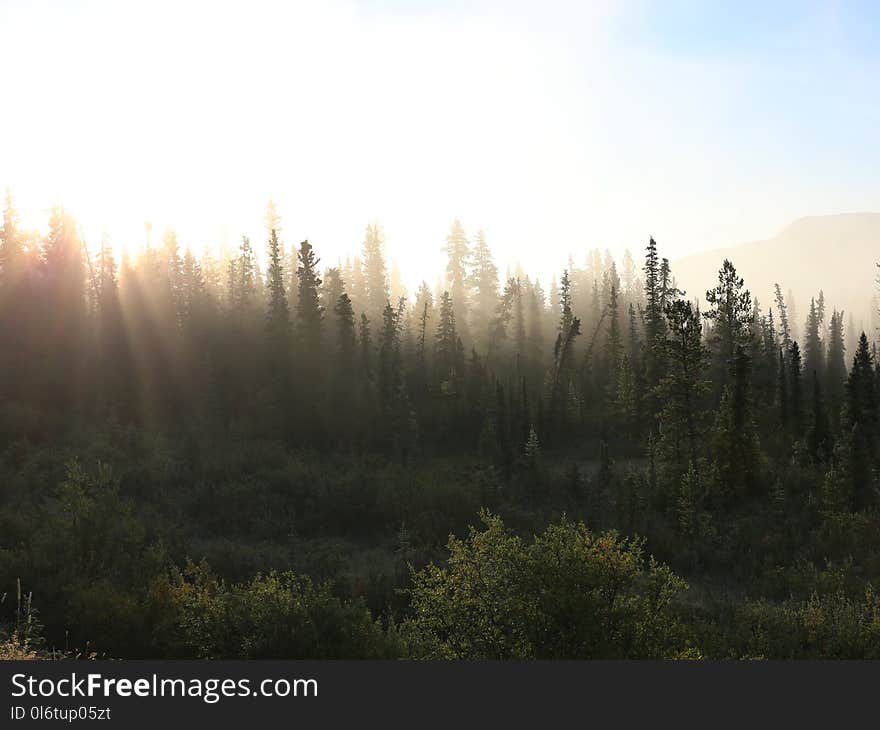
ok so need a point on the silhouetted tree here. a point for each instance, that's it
(457, 255)
(375, 275)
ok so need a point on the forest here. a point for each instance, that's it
(257, 455)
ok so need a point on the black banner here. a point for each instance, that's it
(148, 694)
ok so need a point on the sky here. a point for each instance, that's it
(555, 127)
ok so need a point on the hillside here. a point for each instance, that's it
(835, 253)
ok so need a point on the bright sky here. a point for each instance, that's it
(554, 126)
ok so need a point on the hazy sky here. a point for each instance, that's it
(554, 126)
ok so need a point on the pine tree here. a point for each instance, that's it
(668, 289)
(346, 385)
(332, 288)
(783, 318)
(193, 294)
(563, 352)
(309, 313)
(390, 382)
(683, 387)
(654, 324)
(246, 277)
(375, 275)
(731, 315)
(446, 341)
(813, 353)
(861, 424)
(613, 343)
(457, 255)
(566, 315)
(278, 311)
(835, 368)
(484, 280)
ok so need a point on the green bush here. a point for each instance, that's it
(275, 616)
(566, 594)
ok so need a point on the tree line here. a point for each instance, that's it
(280, 423)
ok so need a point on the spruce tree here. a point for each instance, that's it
(566, 314)
(861, 425)
(457, 256)
(446, 342)
(654, 325)
(731, 316)
(835, 368)
(309, 312)
(375, 276)
(813, 353)
(484, 281)
(278, 310)
(389, 380)
(247, 273)
(682, 389)
(332, 287)
(569, 328)
(783, 318)
(613, 342)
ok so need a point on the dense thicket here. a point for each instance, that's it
(200, 459)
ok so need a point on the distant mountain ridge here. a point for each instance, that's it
(835, 253)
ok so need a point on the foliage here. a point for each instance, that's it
(567, 594)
